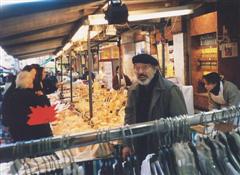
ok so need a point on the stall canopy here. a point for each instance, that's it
(43, 27)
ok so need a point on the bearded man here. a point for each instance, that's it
(152, 97)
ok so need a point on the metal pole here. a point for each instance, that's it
(90, 63)
(71, 79)
(80, 61)
(38, 147)
(163, 59)
(120, 60)
(55, 61)
(98, 54)
(61, 78)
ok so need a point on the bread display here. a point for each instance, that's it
(108, 110)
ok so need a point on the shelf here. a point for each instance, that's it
(201, 94)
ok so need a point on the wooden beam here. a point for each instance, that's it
(149, 5)
(35, 42)
(45, 34)
(50, 52)
(36, 52)
(36, 7)
(26, 48)
(41, 20)
(144, 1)
(36, 31)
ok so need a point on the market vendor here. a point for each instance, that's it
(221, 93)
(120, 80)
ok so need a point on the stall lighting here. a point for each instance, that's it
(80, 34)
(59, 53)
(111, 30)
(139, 17)
(99, 19)
(67, 46)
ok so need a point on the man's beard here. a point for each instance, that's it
(147, 80)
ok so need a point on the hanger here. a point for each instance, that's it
(100, 142)
(21, 153)
(181, 128)
(238, 119)
(72, 165)
(177, 129)
(175, 126)
(48, 142)
(24, 162)
(157, 130)
(31, 153)
(42, 155)
(166, 131)
(66, 169)
(184, 129)
(125, 163)
(46, 150)
(131, 137)
(134, 162)
(203, 122)
(190, 138)
(236, 112)
(55, 157)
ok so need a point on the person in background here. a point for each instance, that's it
(124, 80)
(9, 81)
(1, 80)
(22, 99)
(50, 84)
(151, 97)
(221, 93)
(38, 80)
(5, 105)
(86, 74)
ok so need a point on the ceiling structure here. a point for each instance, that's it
(41, 28)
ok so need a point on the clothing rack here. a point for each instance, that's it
(49, 145)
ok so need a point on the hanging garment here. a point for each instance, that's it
(146, 167)
(206, 159)
(158, 168)
(165, 164)
(222, 138)
(223, 158)
(185, 163)
(233, 146)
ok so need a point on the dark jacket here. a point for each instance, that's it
(116, 84)
(86, 74)
(17, 113)
(50, 84)
(167, 101)
(231, 95)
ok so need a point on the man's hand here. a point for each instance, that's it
(39, 93)
(126, 151)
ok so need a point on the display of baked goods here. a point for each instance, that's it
(108, 110)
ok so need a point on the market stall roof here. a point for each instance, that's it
(40, 28)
